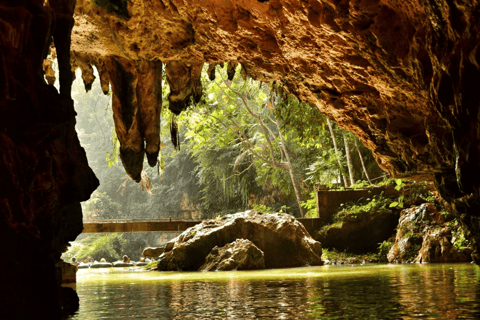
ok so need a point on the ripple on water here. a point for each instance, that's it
(442, 291)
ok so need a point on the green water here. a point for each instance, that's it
(433, 291)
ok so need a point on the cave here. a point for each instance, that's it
(404, 76)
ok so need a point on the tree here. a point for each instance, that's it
(349, 159)
(242, 117)
(340, 167)
(361, 160)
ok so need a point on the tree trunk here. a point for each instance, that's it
(349, 159)
(361, 160)
(336, 153)
(296, 184)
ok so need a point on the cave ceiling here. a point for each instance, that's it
(402, 75)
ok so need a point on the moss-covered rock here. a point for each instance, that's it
(424, 236)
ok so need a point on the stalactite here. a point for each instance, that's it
(149, 97)
(232, 65)
(103, 73)
(62, 35)
(123, 79)
(243, 72)
(185, 84)
(211, 71)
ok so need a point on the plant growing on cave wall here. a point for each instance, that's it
(383, 249)
(118, 7)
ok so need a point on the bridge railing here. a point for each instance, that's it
(135, 220)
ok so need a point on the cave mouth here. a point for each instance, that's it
(363, 66)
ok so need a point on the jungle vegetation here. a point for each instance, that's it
(246, 144)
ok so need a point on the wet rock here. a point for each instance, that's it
(68, 272)
(69, 301)
(241, 254)
(283, 240)
(152, 252)
(423, 236)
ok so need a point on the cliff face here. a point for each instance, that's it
(43, 169)
(399, 75)
(402, 75)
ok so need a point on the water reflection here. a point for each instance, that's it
(378, 292)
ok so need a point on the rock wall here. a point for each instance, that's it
(43, 170)
(401, 76)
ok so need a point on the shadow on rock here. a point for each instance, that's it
(284, 241)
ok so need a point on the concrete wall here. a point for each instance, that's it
(329, 201)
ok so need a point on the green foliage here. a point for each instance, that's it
(100, 206)
(152, 265)
(346, 257)
(311, 206)
(333, 255)
(109, 246)
(232, 136)
(360, 184)
(412, 252)
(399, 184)
(398, 203)
(383, 250)
(337, 224)
(460, 241)
(324, 170)
(377, 202)
(262, 208)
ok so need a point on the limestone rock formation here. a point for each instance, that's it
(44, 172)
(402, 75)
(68, 272)
(241, 254)
(283, 240)
(423, 236)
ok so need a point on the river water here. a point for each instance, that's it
(431, 291)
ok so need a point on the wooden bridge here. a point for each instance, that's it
(154, 225)
(137, 225)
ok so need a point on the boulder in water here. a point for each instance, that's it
(284, 241)
(241, 254)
